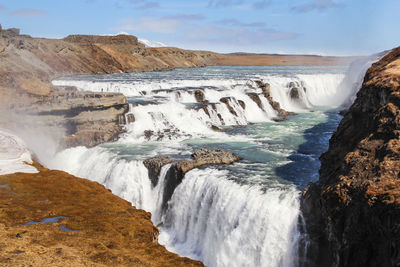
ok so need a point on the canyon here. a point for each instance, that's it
(351, 214)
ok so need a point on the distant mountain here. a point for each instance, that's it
(148, 43)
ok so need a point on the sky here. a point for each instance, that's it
(323, 27)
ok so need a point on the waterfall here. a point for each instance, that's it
(162, 108)
(127, 179)
(209, 217)
(221, 222)
(158, 193)
(236, 215)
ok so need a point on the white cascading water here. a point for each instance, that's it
(210, 216)
(127, 179)
(221, 222)
(163, 109)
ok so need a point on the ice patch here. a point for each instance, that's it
(14, 155)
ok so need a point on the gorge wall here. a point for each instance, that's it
(352, 213)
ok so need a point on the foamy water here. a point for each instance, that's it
(245, 214)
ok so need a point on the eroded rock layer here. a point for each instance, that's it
(352, 213)
(28, 65)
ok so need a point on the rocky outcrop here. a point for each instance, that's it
(28, 65)
(86, 225)
(178, 169)
(295, 88)
(226, 100)
(83, 118)
(266, 92)
(352, 213)
(154, 166)
(199, 96)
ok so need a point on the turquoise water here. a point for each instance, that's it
(244, 214)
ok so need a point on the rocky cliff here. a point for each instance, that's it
(352, 213)
(28, 65)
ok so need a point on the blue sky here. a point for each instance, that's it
(327, 27)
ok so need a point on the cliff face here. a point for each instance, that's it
(352, 213)
(41, 60)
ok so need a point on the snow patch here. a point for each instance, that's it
(148, 43)
(14, 155)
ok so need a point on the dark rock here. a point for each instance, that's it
(206, 110)
(148, 134)
(216, 128)
(154, 166)
(352, 214)
(242, 104)
(221, 119)
(225, 100)
(130, 118)
(294, 89)
(294, 93)
(178, 169)
(256, 98)
(266, 90)
(343, 112)
(199, 95)
(279, 119)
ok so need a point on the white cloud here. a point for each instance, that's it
(28, 12)
(240, 36)
(319, 5)
(148, 24)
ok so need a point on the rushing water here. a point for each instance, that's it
(244, 214)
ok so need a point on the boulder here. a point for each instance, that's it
(199, 95)
(294, 93)
(154, 166)
(178, 169)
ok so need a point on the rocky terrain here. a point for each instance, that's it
(352, 213)
(28, 65)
